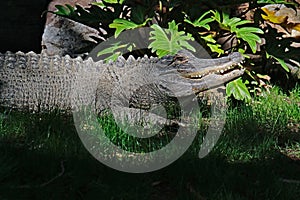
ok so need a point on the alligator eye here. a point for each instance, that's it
(179, 58)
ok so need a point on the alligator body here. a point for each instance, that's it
(38, 82)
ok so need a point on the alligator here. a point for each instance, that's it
(41, 83)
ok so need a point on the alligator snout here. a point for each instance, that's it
(236, 57)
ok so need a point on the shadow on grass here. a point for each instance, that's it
(31, 174)
(42, 157)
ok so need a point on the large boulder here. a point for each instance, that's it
(63, 36)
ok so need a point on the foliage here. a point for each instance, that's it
(201, 21)
(116, 48)
(238, 89)
(123, 24)
(275, 2)
(281, 62)
(169, 41)
(248, 34)
(175, 23)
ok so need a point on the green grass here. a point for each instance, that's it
(257, 157)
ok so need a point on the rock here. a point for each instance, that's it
(63, 36)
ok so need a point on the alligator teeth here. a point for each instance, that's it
(222, 71)
(197, 75)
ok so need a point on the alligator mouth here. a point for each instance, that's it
(218, 71)
(191, 68)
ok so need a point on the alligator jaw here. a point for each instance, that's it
(189, 75)
(220, 71)
(218, 66)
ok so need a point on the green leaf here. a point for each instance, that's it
(169, 41)
(162, 44)
(209, 38)
(216, 48)
(247, 34)
(242, 22)
(242, 51)
(114, 1)
(276, 2)
(114, 50)
(113, 56)
(123, 24)
(251, 74)
(251, 29)
(111, 49)
(239, 90)
(103, 3)
(233, 21)
(64, 10)
(200, 22)
(71, 8)
(282, 63)
(212, 44)
(217, 16)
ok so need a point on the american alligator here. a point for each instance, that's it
(40, 83)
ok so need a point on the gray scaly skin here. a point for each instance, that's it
(41, 83)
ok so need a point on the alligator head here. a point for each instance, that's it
(186, 73)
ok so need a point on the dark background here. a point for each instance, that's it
(22, 24)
